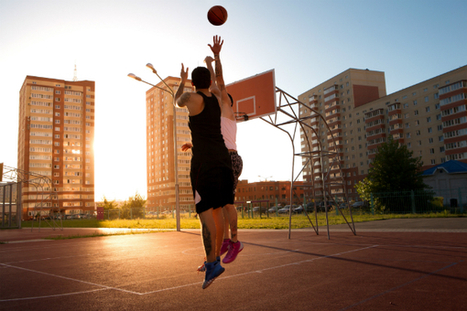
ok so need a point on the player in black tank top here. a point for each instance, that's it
(211, 171)
(211, 167)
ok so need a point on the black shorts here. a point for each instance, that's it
(214, 187)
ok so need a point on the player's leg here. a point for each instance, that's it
(218, 216)
(226, 241)
(235, 246)
(208, 234)
(231, 213)
(212, 230)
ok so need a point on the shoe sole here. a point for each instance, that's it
(208, 283)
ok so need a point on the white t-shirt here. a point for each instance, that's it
(229, 132)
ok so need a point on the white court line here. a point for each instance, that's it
(104, 287)
(53, 296)
(261, 270)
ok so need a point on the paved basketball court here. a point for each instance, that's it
(406, 269)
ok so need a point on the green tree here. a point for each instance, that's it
(109, 204)
(394, 176)
(134, 207)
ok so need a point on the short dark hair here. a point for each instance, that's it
(201, 78)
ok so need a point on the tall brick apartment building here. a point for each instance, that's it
(55, 139)
(430, 118)
(160, 149)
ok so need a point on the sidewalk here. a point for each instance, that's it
(453, 224)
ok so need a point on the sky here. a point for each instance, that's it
(305, 41)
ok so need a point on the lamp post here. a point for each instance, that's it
(171, 92)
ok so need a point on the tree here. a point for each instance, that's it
(395, 171)
(134, 207)
(109, 204)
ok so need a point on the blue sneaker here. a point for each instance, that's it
(202, 268)
(213, 270)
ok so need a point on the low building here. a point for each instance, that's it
(269, 192)
(449, 181)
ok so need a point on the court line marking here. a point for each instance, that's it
(104, 287)
(400, 286)
(53, 296)
(262, 270)
(66, 278)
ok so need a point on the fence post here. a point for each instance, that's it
(250, 210)
(372, 203)
(412, 197)
(276, 208)
(460, 200)
(131, 213)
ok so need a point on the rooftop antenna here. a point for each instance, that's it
(75, 74)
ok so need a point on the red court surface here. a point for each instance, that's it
(378, 269)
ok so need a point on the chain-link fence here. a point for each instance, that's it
(448, 201)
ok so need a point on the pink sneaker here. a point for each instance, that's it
(234, 249)
(225, 246)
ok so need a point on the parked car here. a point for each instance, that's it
(298, 210)
(284, 210)
(321, 208)
(257, 209)
(274, 209)
(358, 204)
(344, 205)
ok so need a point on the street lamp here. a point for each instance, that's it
(169, 89)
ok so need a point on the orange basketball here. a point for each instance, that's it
(217, 15)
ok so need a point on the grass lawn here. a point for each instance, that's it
(274, 222)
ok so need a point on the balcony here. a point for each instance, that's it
(335, 87)
(374, 113)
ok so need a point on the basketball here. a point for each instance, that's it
(217, 15)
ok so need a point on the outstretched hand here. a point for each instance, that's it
(186, 146)
(184, 73)
(217, 45)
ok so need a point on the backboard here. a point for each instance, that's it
(254, 96)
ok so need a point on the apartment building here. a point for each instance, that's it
(270, 192)
(55, 139)
(161, 183)
(430, 118)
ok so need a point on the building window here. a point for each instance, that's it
(428, 120)
(430, 130)
(415, 113)
(427, 109)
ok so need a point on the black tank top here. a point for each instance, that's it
(208, 144)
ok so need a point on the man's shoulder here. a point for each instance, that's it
(189, 98)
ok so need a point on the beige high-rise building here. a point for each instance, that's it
(160, 149)
(429, 117)
(55, 139)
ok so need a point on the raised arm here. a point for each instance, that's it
(214, 89)
(226, 107)
(182, 98)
